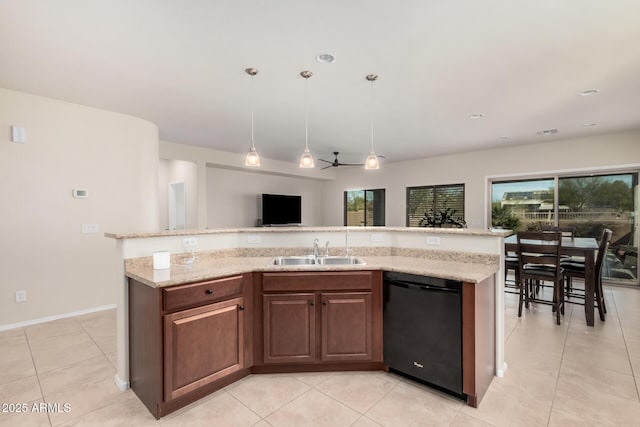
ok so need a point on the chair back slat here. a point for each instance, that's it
(602, 250)
(565, 230)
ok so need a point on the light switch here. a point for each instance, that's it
(18, 134)
(253, 238)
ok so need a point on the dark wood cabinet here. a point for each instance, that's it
(346, 326)
(319, 318)
(189, 340)
(202, 345)
(289, 328)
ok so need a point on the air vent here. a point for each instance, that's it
(547, 132)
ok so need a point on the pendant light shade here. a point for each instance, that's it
(372, 161)
(252, 158)
(306, 160)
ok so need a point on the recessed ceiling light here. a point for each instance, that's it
(503, 138)
(588, 92)
(476, 116)
(588, 124)
(326, 58)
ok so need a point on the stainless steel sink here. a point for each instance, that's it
(340, 260)
(294, 260)
(321, 260)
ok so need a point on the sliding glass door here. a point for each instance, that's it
(589, 203)
(364, 207)
(593, 203)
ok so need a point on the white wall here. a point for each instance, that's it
(233, 196)
(43, 251)
(233, 207)
(473, 168)
(172, 171)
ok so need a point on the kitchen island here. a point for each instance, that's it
(248, 253)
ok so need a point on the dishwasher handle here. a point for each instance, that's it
(421, 286)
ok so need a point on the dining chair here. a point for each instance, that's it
(539, 261)
(511, 264)
(575, 269)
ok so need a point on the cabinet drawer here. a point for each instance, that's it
(200, 293)
(317, 281)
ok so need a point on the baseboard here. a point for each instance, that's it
(56, 317)
(122, 385)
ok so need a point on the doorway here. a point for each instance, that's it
(177, 206)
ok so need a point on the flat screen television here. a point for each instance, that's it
(279, 209)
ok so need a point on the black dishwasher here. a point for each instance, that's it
(422, 319)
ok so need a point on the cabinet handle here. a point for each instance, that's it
(241, 307)
(209, 292)
(312, 303)
(324, 303)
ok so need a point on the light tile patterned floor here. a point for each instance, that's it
(558, 376)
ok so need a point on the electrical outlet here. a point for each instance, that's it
(189, 242)
(21, 296)
(253, 238)
(89, 228)
(377, 237)
(433, 240)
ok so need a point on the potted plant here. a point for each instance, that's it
(443, 218)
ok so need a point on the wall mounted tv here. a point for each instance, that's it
(279, 209)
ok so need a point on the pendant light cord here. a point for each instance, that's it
(252, 108)
(371, 111)
(306, 113)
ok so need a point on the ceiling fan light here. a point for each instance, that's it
(306, 160)
(252, 158)
(372, 161)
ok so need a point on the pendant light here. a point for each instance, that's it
(252, 158)
(306, 160)
(372, 161)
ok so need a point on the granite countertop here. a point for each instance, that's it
(305, 229)
(469, 269)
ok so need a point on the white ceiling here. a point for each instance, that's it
(180, 64)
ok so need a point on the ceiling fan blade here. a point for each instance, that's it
(326, 161)
(326, 167)
(351, 164)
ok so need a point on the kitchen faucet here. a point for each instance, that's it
(326, 248)
(315, 248)
(347, 250)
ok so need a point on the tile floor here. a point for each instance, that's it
(558, 376)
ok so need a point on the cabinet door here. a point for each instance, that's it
(289, 325)
(202, 345)
(346, 326)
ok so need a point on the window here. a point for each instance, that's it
(435, 206)
(588, 203)
(364, 207)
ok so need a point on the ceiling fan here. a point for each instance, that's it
(337, 163)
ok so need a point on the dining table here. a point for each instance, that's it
(574, 246)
